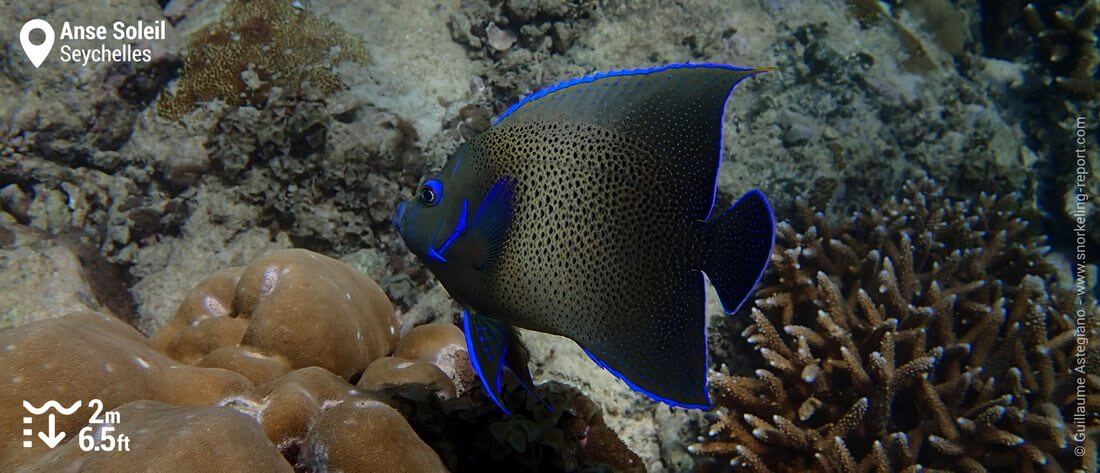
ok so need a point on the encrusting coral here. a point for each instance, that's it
(257, 45)
(260, 378)
(927, 335)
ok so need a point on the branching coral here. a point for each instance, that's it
(257, 45)
(925, 335)
(1066, 38)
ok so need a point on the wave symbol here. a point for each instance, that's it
(51, 404)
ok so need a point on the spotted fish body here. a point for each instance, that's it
(585, 211)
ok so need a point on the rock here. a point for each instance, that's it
(499, 39)
(41, 278)
(167, 438)
(366, 435)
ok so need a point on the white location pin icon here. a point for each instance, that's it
(36, 52)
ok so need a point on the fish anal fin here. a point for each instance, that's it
(662, 353)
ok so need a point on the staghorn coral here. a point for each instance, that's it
(1065, 36)
(927, 334)
(257, 45)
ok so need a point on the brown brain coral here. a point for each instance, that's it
(86, 356)
(927, 335)
(169, 439)
(288, 309)
(360, 435)
(257, 45)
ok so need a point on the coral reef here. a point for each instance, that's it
(278, 392)
(87, 356)
(926, 334)
(127, 211)
(1066, 43)
(254, 306)
(335, 443)
(164, 437)
(257, 45)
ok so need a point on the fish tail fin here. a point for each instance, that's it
(738, 245)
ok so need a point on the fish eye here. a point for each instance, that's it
(431, 193)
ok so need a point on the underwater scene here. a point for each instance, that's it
(549, 235)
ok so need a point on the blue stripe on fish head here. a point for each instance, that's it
(438, 213)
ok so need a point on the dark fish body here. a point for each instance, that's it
(585, 212)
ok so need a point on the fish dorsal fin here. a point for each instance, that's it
(675, 111)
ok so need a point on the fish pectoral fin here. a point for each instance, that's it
(492, 222)
(495, 347)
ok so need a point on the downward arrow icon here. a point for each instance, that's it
(54, 437)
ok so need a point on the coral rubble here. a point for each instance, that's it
(928, 333)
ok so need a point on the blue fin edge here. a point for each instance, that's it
(635, 388)
(466, 329)
(771, 246)
(618, 73)
(531, 390)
